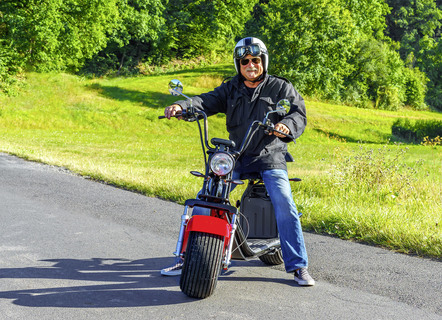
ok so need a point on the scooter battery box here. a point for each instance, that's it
(258, 220)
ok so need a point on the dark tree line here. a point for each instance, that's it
(368, 53)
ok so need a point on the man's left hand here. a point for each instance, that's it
(281, 127)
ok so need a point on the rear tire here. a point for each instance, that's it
(272, 258)
(202, 264)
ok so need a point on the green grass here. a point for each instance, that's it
(358, 182)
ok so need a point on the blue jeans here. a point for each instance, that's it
(287, 218)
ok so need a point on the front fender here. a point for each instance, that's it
(209, 224)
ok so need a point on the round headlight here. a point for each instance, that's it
(222, 163)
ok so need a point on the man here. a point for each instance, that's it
(247, 97)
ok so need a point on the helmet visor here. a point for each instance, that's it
(241, 52)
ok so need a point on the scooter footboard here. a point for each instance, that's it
(247, 249)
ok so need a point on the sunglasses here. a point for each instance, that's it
(245, 62)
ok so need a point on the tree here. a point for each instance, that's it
(433, 69)
(310, 42)
(336, 50)
(417, 26)
(155, 31)
(411, 21)
(381, 76)
(369, 16)
(135, 37)
(205, 27)
(56, 34)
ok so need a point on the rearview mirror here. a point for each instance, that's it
(175, 87)
(283, 104)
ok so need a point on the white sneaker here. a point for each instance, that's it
(173, 270)
(303, 278)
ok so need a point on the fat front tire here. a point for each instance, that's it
(272, 258)
(202, 264)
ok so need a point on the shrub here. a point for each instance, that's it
(10, 69)
(418, 130)
(388, 98)
(415, 88)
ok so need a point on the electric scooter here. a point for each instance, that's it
(248, 230)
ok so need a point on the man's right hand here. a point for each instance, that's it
(172, 111)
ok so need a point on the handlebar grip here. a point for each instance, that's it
(175, 116)
(285, 134)
(182, 114)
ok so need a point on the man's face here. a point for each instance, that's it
(252, 70)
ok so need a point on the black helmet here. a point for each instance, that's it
(252, 46)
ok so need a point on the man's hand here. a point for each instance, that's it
(281, 127)
(172, 111)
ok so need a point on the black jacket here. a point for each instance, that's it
(232, 99)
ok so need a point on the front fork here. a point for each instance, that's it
(179, 246)
(226, 261)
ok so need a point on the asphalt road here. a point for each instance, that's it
(72, 248)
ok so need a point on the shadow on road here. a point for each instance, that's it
(98, 283)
